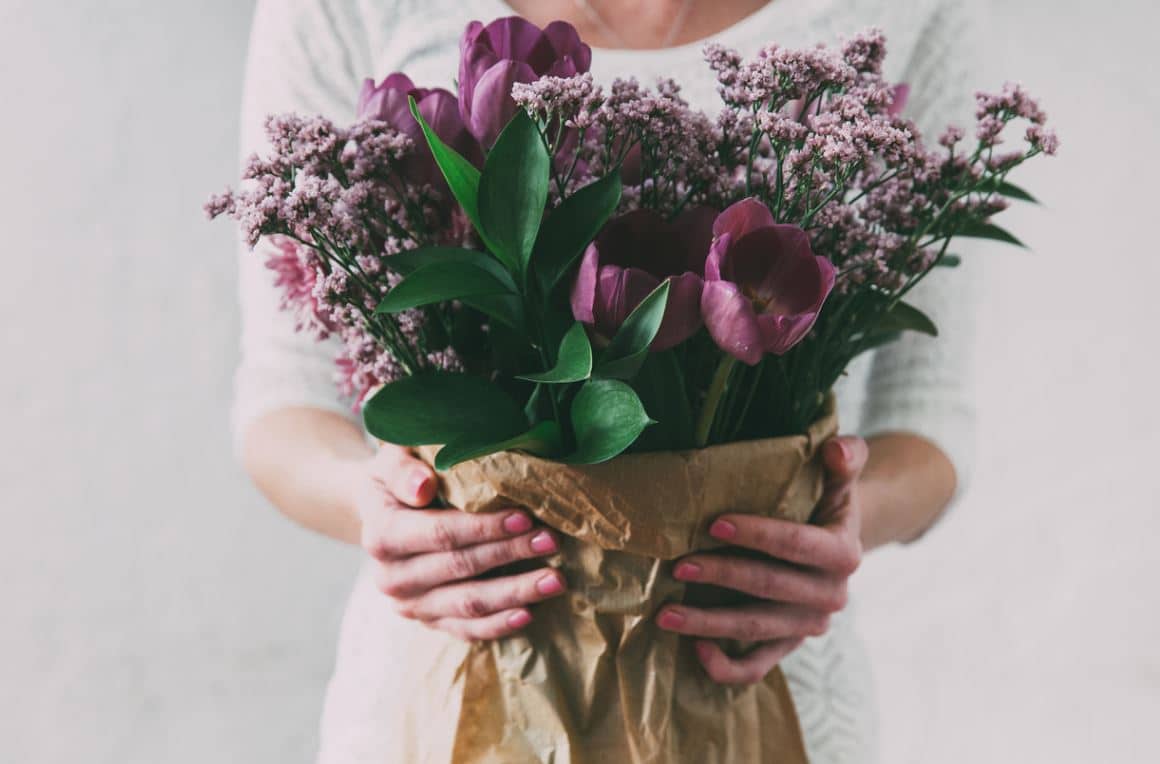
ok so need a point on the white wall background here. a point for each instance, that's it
(155, 610)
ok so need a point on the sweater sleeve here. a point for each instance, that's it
(919, 384)
(305, 56)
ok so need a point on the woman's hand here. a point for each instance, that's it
(429, 560)
(800, 584)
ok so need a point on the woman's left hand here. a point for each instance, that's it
(800, 584)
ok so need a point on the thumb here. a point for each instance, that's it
(411, 481)
(845, 457)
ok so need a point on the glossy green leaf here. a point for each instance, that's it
(462, 176)
(905, 317)
(544, 439)
(442, 282)
(661, 387)
(1012, 191)
(988, 231)
(442, 407)
(607, 418)
(513, 191)
(573, 360)
(411, 260)
(569, 228)
(629, 347)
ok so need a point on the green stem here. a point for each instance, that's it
(713, 400)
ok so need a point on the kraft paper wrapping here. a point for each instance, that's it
(592, 680)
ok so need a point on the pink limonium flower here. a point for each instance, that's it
(630, 258)
(509, 50)
(764, 287)
(388, 102)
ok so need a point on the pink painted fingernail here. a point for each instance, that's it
(704, 650)
(671, 619)
(517, 522)
(550, 584)
(687, 571)
(419, 481)
(519, 619)
(847, 454)
(722, 529)
(543, 543)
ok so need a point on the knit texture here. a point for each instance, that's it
(310, 56)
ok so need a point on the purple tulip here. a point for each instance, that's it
(630, 258)
(507, 51)
(388, 102)
(764, 286)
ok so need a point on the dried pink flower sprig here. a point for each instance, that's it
(334, 204)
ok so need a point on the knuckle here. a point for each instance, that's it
(405, 609)
(818, 625)
(473, 606)
(390, 585)
(442, 537)
(750, 628)
(460, 564)
(797, 541)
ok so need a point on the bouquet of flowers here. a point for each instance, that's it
(625, 314)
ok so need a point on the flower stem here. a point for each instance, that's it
(713, 400)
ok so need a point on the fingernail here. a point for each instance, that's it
(847, 453)
(704, 650)
(517, 522)
(419, 480)
(519, 619)
(687, 571)
(550, 584)
(722, 529)
(671, 619)
(543, 543)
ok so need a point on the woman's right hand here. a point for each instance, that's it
(429, 560)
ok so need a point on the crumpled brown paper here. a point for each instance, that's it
(592, 680)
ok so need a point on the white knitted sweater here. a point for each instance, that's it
(310, 56)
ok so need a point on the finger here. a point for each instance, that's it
(748, 669)
(845, 457)
(476, 599)
(810, 545)
(418, 531)
(408, 479)
(767, 579)
(419, 574)
(758, 622)
(494, 626)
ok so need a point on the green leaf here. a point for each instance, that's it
(661, 387)
(461, 175)
(573, 360)
(442, 407)
(441, 282)
(903, 317)
(950, 261)
(505, 308)
(411, 260)
(1012, 191)
(544, 439)
(513, 191)
(607, 418)
(569, 228)
(988, 231)
(629, 347)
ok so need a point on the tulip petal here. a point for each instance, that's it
(742, 217)
(618, 292)
(694, 230)
(780, 333)
(731, 322)
(682, 312)
(492, 103)
(567, 43)
(715, 262)
(584, 289)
